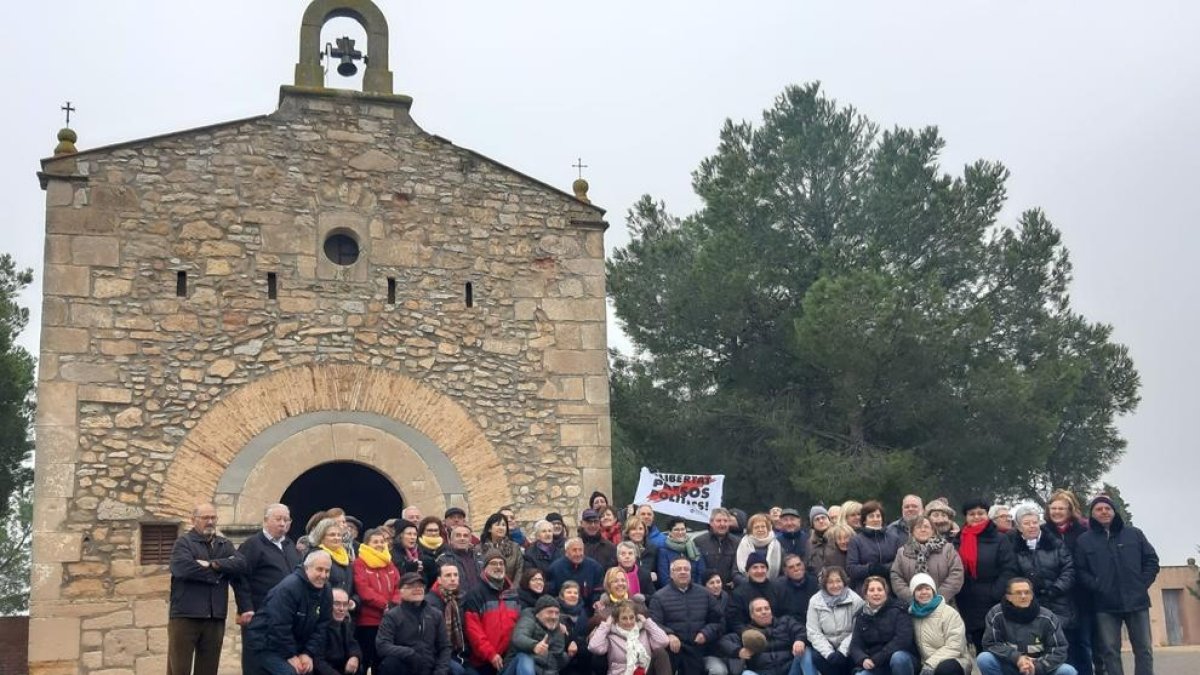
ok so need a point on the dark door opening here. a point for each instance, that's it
(360, 490)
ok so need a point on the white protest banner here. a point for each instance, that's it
(687, 495)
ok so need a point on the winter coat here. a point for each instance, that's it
(871, 553)
(293, 618)
(536, 557)
(470, 572)
(525, 636)
(684, 613)
(900, 529)
(719, 553)
(777, 657)
(266, 566)
(514, 556)
(1117, 565)
(1041, 639)
(666, 556)
(1052, 571)
(737, 611)
(488, 619)
(413, 634)
(823, 553)
(342, 576)
(199, 592)
(829, 628)
(605, 641)
(942, 636)
(994, 568)
(340, 647)
(599, 549)
(792, 597)
(878, 636)
(588, 574)
(378, 590)
(1080, 595)
(945, 567)
(793, 542)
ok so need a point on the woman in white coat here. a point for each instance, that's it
(830, 622)
(939, 631)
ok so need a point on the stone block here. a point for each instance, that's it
(99, 394)
(55, 311)
(288, 238)
(57, 404)
(71, 280)
(578, 435)
(78, 371)
(574, 309)
(111, 509)
(53, 639)
(57, 444)
(576, 362)
(156, 638)
(65, 340)
(49, 547)
(129, 418)
(145, 585)
(50, 514)
(98, 251)
(150, 613)
(45, 579)
(155, 664)
(593, 335)
(55, 479)
(199, 229)
(596, 389)
(119, 619)
(59, 193)
(91, 316)
(373, 160)
(121, 647)
(58, 249)
(222, 367)
(595, 457)
(109, 287)
(67, 220)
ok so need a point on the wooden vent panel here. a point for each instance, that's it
(157, 541)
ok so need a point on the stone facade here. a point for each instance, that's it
(149, 401)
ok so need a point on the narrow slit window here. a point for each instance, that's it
(469, 294)
(391, 290)
(272, 286)
(181, 284)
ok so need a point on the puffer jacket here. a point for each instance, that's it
(606, 642)
(719, 553)
(1041, 639)
(1080, 595)
(945, 567)
(525, 636)
(684, 613)
(942, 636)
(871, 552)
(877, 636)
(1050, 567)
(293, 619)
(378, 591)
(737, 611)
(414, 635)
(776, 659)
(994, 568)
(829, 628)
(1117, 565)
(792, 597)
(488, 618)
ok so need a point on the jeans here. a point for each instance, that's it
(801, 665)
(273, 664)
(901, 663)
(836, 664)
(990, 665)
(521, 664)
(1079, 642)
(1108, 636)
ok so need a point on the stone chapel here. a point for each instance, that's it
(321, 304)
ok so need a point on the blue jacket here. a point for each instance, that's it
(293, 620)
(1117, 565)
(666, 556)
(588, 574)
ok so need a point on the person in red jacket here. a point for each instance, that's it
(377, 582)
(490, 612)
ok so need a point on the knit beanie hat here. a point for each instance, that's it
(545, 602)
(756, 558)
(1101, 499)
(922, 579)
(817, 510)
(940, 504)
(493, 555)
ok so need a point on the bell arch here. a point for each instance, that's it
(377, 78)
(240, 447)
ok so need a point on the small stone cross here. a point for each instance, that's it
(69, 109)
(580, 165)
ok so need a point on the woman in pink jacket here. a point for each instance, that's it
(627, 639)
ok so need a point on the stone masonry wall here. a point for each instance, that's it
(128, 369)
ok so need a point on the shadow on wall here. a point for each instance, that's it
(14, 645)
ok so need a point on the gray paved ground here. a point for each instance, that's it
(1171, 661)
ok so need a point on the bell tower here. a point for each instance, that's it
(310, 73)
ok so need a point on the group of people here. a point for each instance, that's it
(1010, 590)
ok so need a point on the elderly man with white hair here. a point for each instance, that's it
(288, 634)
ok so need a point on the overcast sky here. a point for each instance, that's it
(1093, 106)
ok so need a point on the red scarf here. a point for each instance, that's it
(612, 534)
(968, 546)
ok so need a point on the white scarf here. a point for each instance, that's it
(774, 554)
(636, 653)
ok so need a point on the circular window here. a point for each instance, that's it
(341, 249)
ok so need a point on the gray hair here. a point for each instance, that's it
(996, 509)
(571, 542)
(719, 511)
(537, 527)
(628, 546)
(275, 507)
(318, 532)
(1026, 509)
(315, 555)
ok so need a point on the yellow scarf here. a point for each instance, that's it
(339, 555)
(431, 543)
(374, 559)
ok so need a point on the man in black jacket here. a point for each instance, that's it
(270, 556)
(412, 637)
(688, 613)
(792, 536)
(718, 547)
(785, 652)
(288, 633)
(596, 546)
(1117, 564)
(1022, 637)
(202, 564)
(342, 655)
(756, 585)
(791, 592)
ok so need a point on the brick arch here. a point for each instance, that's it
(230, 427)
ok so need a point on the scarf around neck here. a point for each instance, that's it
(833, 600)
(611, 533)
(921, 611)
(636, 654)
(687, 548)
(430, 543)
(1018, 614)
(635, 585)
(968, 548)
(374, 559)
(749, 544)
(339, 555)
(452, 613)
(922, 552)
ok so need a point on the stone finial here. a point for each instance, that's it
(66, 142)
(580, 186)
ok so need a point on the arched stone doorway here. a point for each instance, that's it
(357, 488)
